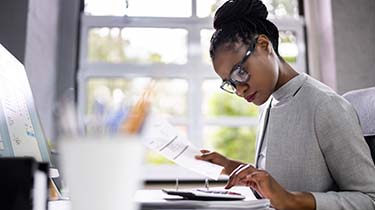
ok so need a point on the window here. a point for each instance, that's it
(137, 45)
(125, 43)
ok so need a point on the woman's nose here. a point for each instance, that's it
(240, 89)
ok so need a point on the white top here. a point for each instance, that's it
(279, 97)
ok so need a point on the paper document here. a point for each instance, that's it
(159, 135)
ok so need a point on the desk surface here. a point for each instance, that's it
(59, 205)
(65, 205)
(155, 199)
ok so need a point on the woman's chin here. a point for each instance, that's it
(258, 104)
(259, 101)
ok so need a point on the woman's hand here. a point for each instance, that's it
(267, 187)
(218, 159)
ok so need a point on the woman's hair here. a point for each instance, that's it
(241, 21)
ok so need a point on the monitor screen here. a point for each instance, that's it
(21, 133)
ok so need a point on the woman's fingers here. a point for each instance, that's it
(267, 187)
(217, 158)
(207, 155)
(256, 177)
(241, 166)
(239, 174)
(212, 157)
(260, 181)
(232, 176)
(204, 155)
(204, 151)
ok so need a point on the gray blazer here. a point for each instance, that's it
(315, 144)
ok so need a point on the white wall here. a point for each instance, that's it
(40, 58)
(354, 40)
(341, 42)
(51, 55)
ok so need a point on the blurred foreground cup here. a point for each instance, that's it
(102, 172)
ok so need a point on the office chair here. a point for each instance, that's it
(363, 101)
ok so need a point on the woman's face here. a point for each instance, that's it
(261, 65)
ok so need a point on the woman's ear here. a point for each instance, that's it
(264, 44)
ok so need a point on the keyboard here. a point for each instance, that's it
(207, 195)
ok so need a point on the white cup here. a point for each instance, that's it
(102, 173)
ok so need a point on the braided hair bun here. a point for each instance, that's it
(241, 21)
(239, 11)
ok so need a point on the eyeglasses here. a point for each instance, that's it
(238, 75)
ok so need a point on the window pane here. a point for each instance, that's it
(282, 8)
(288, 48)
(137, 45)
(108, 95)
(206, 8)
(171, 97)
(276, 8)
(146, 8)
(155, 158)
(216, 102)
(205, 45)
(235, 143)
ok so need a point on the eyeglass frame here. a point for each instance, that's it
(232, 83)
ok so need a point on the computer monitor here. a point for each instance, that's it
(21, 133)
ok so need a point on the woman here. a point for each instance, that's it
(310, 150)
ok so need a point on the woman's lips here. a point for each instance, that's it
(251, 97)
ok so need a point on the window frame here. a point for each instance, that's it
(194, 122)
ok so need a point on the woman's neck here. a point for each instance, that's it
(286, 73)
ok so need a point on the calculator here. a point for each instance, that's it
(206, 195)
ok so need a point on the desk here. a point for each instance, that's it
(59, 205)
(154, 200)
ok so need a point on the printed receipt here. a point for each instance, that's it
(159, 135)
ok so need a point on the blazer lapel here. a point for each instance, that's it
(262, 130)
